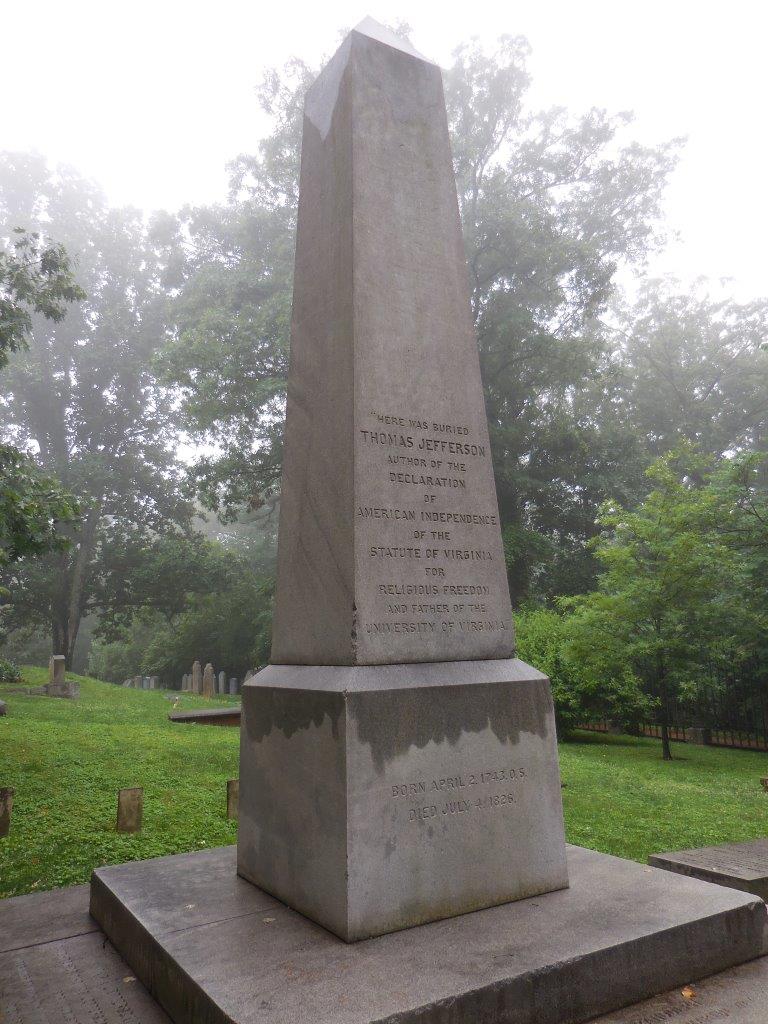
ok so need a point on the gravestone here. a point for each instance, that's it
(233, 686)
(222, 682)
(137, 682)
(56, 669)
(154, 682)
(209, 681)
(57, 682)
(130, 809)
(738, 865)
(3, 708)
(197, 677)
(393, 686)
(6, 806)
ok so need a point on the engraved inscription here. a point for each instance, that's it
(465, 793)
(430, 532)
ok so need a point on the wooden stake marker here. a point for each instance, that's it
(6, 806)
(233, 797)
(130, 809)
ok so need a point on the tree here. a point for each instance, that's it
(673, 593)
(580, 694)
(34, 277)
(84, 396)
(186, 599)
(33, 508)
(693, 369)
(551, 205)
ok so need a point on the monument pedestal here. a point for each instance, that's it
(214, 949)
(375, 798)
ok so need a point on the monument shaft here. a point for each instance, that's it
(397, 764)
(390, 548)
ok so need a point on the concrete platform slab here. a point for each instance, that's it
(44, 916)
(213, 948)
(736, 996)
(741, 866)
(56, 966)
(207, 716)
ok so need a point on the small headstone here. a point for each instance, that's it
(233, 797)
(3, 708)
(222, 682)
(154, 682)
(736, 865)
(233, 686)
(764, 783)
(6, 806)
(56, 669)
(197, 677)
(130, 809)
(137, 682)
(57, 682)
(209, 681)
(127, 682)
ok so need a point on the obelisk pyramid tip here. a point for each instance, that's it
(375, 30)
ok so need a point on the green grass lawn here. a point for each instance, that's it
(67, 759)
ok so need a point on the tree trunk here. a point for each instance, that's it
(666, 748)
(68, 609)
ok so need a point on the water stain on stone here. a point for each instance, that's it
(391, 722)
(291, 710)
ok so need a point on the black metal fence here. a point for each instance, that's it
(734, 714)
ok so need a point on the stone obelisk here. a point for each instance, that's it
(398, 764)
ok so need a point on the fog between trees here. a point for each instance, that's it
(181, 346)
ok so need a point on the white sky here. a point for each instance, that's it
(152, 98)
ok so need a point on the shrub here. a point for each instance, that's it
(9, 671)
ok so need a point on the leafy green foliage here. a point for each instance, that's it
(9, 671)
(186, 598)
(580, 694)
(35, 276)
(675, 592)
(85, 398)
(692, 369)
(32, 508)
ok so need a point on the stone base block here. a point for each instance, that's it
(378, 798)
(738, 865)
(212, 948)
